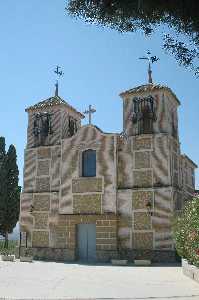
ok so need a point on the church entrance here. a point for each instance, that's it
(86, 242)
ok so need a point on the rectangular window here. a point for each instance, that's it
(89, 163)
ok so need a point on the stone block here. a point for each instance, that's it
(26, 259)
(143, 240)
(142, 221)
(43, 167)
(142, 159)
(40, 239)
(119, 262)
(58, 237)
(44, 152)
(43, 184)
(140, 198)
(85, 185)
(142, 178)
(142, 262)
(87, 203)
(41, 202)
(41, 220)
(8, 257)
(142, 143)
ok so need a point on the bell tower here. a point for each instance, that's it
(51, 120)
(150, 109)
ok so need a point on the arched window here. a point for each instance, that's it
(89, 163)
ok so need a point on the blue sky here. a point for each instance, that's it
(98, 63)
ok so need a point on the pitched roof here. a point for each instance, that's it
(52, 101)
(149, 87)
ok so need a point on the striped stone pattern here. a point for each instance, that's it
(124, 201)
(29, 170)
(55, 168)
(88, 138)
(55, 137)
(125, 164)
(64, 127)
(26, 219)
(69, 168)
(128, 109)
(160, 161)
(30, 135)
(162, 218)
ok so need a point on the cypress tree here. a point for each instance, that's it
(2, 150)
(9, 194)
(2, 180)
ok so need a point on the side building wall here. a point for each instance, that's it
(145, 199)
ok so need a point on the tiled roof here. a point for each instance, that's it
(149, 87)
(189, 159)
(52, 101)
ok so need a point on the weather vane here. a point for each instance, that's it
(151, 60)
(59, 74)
(89, 112)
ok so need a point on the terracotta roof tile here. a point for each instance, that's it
(149, 87)
(52, 101)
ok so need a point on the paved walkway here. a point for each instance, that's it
(48, 280)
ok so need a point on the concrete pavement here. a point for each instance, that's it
(49, 280)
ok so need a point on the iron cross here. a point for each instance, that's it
(58, 71)
(89, 112)
(150, 59)
(59, 74)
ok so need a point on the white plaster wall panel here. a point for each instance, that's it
(25, 202)
(163, 200)
(54, 210)
(65, 121)
(125, 165)
(162, 217)
(25, 218)
(108, 202)
(124, 202)
(55, 137)
(163, 240)
(55, 168)
(124, 234)
(67, 172)
(160, 161)
(30, 135)
(29, 170)
(128, 109)
(160, 125)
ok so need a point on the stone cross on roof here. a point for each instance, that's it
(90, 111)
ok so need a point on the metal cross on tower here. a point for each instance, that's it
(151, 60)
(59, 74)
(89, 112)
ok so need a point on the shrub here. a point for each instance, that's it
(186, 232)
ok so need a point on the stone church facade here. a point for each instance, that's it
(92, 195)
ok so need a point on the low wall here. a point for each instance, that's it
(190, 270)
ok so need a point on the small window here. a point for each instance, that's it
(89, 163)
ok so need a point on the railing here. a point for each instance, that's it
(11, 247)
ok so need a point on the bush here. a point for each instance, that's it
(186, 232)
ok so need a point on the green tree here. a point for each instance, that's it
(2, 150)
(2, 180)
(147, 15)
(186, 232)
(9, 194)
